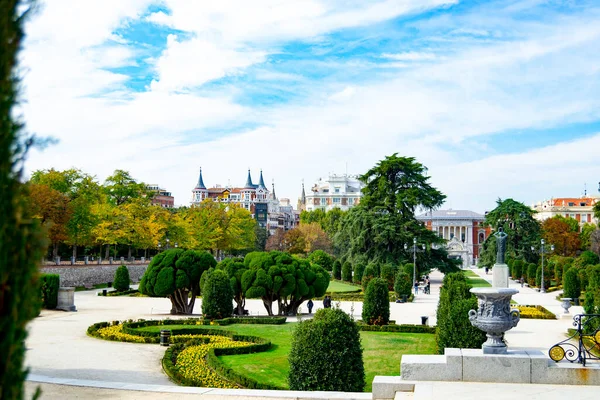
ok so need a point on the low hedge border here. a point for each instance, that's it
(117, 293)
(260, 345)
(355, 296)
(544, 313)
(93, 332)
(396, 328)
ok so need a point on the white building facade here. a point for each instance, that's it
(578, 208)
(338, 191)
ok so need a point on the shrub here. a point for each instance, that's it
(531, 272)
(547, 277)
(453, 327)
(586, 258)
(326, 354)
(583, 274)
(359, 270)
(517, 267)
(121, 281)
(402, 284)
(409, 268)
(368, 275)
(337, 270)
(49, 284)
(321, 258)
(376, 306)
(217, 296)
(388, 272)
(571, 284)
(347, 272)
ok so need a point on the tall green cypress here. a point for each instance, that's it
(21, 245)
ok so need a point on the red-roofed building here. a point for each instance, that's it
(578, 208)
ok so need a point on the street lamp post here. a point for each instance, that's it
(414, 259)
(167, 243)
(542, 252)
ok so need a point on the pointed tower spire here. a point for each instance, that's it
(200, 184)
(273, 196)
(303, 196)
(261, 181)
(249, 184)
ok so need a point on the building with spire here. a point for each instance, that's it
(338, 191)
(256, 198)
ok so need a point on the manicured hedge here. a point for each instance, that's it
(113, 293)
(397, 328)
(535, 312)
(49, 284)
(121, 281)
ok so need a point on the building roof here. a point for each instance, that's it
(249, 184)
(200, 184)
(451, 214)
(564, 201)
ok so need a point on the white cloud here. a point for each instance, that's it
(410, 56)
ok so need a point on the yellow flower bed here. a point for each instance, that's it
(191, 362)
(115, 332)
(535, 312)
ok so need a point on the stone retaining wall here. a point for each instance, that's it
(92, 274)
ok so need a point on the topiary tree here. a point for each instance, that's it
(388, 274)
(217, 296)
(402, 284)
(517, 269)
(121, 280)
(235, 268)
(176, 274)
(359, 270)
(321, 258)
(571, 284)
(547, 277)
(367, 276)
(326, 354)
(337, 270)
(22, 242)
(376, 304)
(531, 272)
(347, 272)
(49, 285)
(453, 328)
(408, 268)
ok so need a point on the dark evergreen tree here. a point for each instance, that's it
(337, 270)
(217, 296)
(21, 242)
(347, 272)
(376, 305)
(121, 280)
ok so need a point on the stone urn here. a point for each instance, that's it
(494, 316)
(566, 304)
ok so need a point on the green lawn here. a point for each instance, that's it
(339, 286)
(475, 280)
(382, 351)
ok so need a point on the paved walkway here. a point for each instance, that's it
(59, 351)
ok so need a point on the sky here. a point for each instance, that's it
(498, 99)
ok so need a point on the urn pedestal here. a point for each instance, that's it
(494, 316)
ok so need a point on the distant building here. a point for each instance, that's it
(578, 208)
(339, 191)
(256, 198)
(161, 196)
(463, 231)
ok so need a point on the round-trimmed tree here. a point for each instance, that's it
(571, 284)
(402, 284)
(322, 258)
(326, 354)
(359, 270)
(176, 274)
(376, 304)
(121, 280)
(387, 273)
(347, 272)
(217, 296)
(337, 270)
(367, 275)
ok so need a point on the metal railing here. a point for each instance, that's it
(93, 260)
(581, 346)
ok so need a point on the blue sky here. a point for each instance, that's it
(497, 99)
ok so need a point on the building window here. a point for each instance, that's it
(337, 200)
(571, 204)
(582, 204)
(584, 218)
(337, 189)
(481, 237)
(462, 237)
(350, 201)
(323, 201)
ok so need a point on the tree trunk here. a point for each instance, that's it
(129, 253)
(74, 252)
(107, 252)
(54, 251)
(179, 302)
(268, 306)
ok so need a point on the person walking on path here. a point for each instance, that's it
(310, 305)
(416, 288)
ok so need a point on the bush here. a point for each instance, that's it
(121, 281)
(337, 270)
(359, 270)
(517, 268)
(347, 272)
(376, 306)
(326, 354)
(547, 277)
(368, 275)
(453, 327)
(388, 273)
(217, 296)
(409, 269)
(402, 284)
(49, 284)
(321, 258)
(571, 284)
(531, 272)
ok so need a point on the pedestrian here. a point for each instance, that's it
(522, 280)
(427, 285)
(328, 301)
(486, 270)
(416, 288)
(310, 305)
